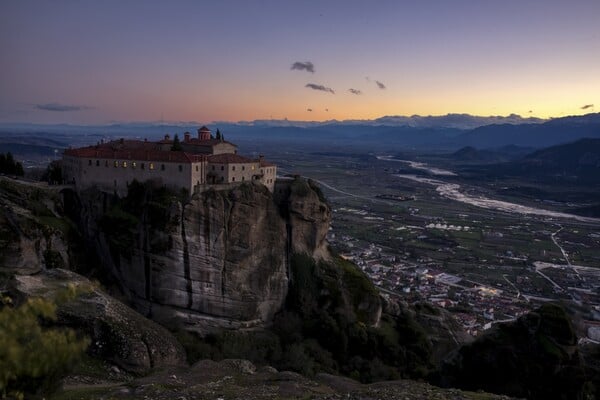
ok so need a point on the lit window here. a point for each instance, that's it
(151, 166)
(124, 164)
(253, 168)
(133, 164)
(116, 164)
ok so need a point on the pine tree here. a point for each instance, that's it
(218, 134)
(176, 144)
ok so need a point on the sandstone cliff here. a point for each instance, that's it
(33, 236)
(217, 260)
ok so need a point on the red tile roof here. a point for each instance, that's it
(264, 163)
(134, 150)
(229, 159)
(209, 142)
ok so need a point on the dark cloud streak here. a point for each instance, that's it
(354, 91)
(322, 88)
(380, 85)
(60, 107)
(587, 106)
(304, 66)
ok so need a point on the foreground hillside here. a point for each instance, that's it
(240, 379)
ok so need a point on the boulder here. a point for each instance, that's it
(118, 333)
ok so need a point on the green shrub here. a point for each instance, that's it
(33, 358)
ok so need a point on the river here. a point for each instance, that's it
(452, 191)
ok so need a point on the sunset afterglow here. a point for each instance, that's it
(97, 62)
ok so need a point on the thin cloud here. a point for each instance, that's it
(380, 85)
(354, 91)
(309, 109)
(322, 88)
(587, 106)
(60, 107)
(304, 66)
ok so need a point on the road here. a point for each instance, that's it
(564, 253)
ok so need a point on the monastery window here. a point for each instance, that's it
(233, 179)
(253, 168)
(143, 166)
(243, 167)
(106, 163)
(124, 164)
(133, 164)
(97, 163)
(116, 164)
(222, 168)
(180, 168)
(151, 166)
(213, 167)
(162, 167)
(243, 178)
(89, 162)
(196, 168)
(233, 168)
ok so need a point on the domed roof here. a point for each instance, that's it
(204, 129)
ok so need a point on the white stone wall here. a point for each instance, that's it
(116, 174)
(269, 176)
(233, 172)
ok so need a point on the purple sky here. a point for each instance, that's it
(103, 61)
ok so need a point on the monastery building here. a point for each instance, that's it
(193, 163)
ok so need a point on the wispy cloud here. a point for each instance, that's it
(309, 109)
(587, 106)
(380, 85)
(322, 88)
(60, 107)
(304, 66)
(354, 91)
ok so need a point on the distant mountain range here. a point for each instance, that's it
(576, 162)
(452, 131)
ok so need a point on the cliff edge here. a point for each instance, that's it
(219, 259)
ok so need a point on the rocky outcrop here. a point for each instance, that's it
(308, 218)
(117, 333)
(217, 260)
(535, 357)
(444, 334)
(32, 234)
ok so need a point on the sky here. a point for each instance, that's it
(95, 62)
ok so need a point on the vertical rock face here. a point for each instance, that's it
(218, 261)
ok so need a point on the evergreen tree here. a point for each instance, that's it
(176, 144)
(218, 134)
(8, 165)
